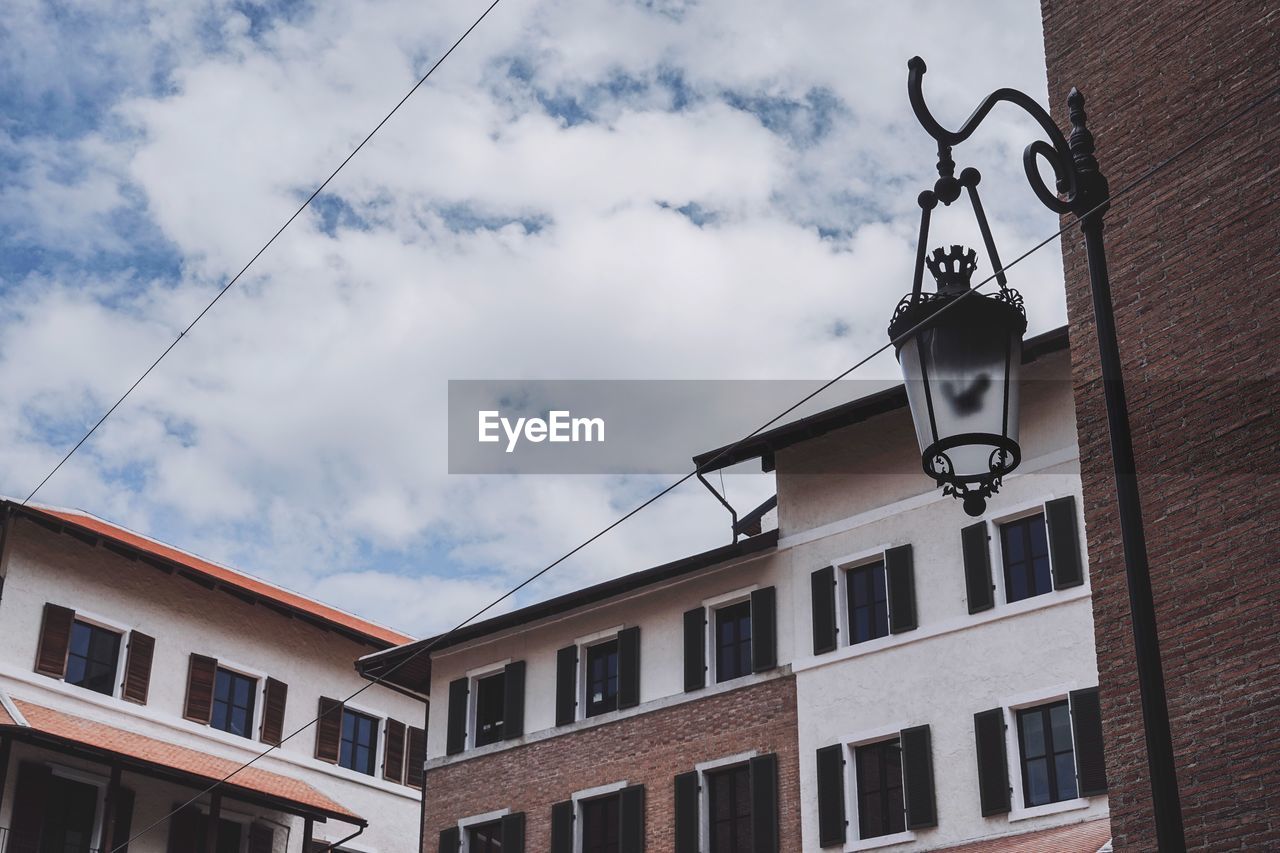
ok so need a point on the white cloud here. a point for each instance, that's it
(518, 218)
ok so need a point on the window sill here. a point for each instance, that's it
(881, 841)
(1048, 809)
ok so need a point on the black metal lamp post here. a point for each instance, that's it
(960, 370)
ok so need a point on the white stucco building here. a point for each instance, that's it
(133, 676)
(879, 671)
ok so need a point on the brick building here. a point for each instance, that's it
(1194, 271)
(878, 671)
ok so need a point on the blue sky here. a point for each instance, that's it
(600, 189)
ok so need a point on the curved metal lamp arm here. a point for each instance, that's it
(1056, 152)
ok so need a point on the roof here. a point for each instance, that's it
(209, 574)
(764, 445)
(1087, 837)
(414, 656)
(157, 757)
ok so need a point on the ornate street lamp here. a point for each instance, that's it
(961, 366)
(968, 335)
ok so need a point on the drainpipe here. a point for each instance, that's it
(733, 525)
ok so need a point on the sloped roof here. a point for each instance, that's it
(160, 755)
(212, 574)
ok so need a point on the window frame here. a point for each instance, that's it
(845, 589)
(736, 599)
(844, 631)
(474, 677)
(995, 555)
(121, 635)
(1052, 750)
(1018, 808)
(259, 684)
(584, 675)
(999, 545)
(851, 743)
(613, 789)
(705, 770)
(471, 821)
(99, 621)
(378, 734)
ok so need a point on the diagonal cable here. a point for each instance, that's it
(258, 254)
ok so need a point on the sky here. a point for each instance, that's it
(602, 189)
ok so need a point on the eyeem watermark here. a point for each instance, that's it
(558, 426)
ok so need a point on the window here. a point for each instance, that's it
(490, 699)
(92, 657)
(229, 833)
(600, 824)
(602, 678)
(868, 603)
(358, 748)
(485, 838)
(233, 696)
(880, 806)
(729, 813)
(733, 641)
(1048, 760)
(1024, 544)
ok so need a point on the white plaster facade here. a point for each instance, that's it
(955, 664)
(42, 566)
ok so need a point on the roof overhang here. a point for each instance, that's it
(73, 735)
(414, 659)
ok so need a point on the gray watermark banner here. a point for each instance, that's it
(617, 426)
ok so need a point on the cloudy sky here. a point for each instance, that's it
(593, 189)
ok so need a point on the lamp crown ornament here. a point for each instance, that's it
(952, 268)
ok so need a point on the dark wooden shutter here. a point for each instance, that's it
(513, 833)
(123, 827)
(1064, 542)
(695, 649)
(993, 765)
(764, 803)
(688, 830)
(30, 799)
(417, 757)
(764, 629)
(262, 838)
(977, 567)
(329, 730)
(831, 819)
(566, 685)
(513, 700)
(917, 777)
(630, 819)
(899, 573)
(562, 827)
(450, 840)
(137, 668)
(823, 586)
(456, 739)
(393, 752)
(1086, 728)
(201, 673)
(186, 830)
(55, 639)
(629, 667)
(275, 696)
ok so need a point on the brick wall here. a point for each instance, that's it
(648, 749)
(1195, 267)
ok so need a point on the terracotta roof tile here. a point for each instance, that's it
(1087, 837)
(169, 755)
(225, 575)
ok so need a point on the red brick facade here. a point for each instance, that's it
(1195, 268)
(649, 749)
